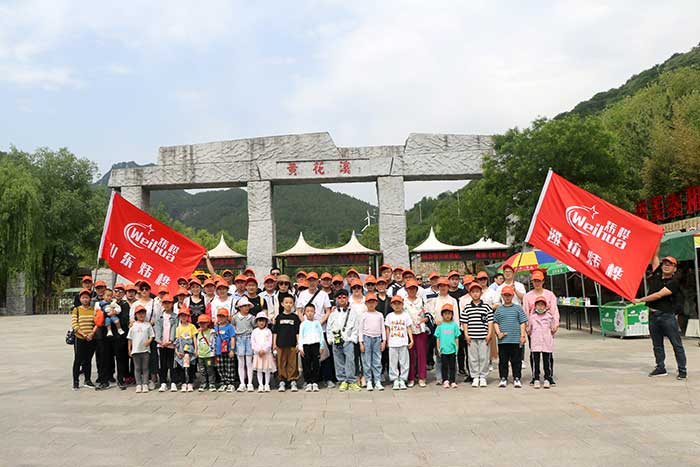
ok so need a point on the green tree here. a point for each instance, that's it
(21, 226)
(503, 201)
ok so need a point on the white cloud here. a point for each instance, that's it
(48, 78)
(478, 67)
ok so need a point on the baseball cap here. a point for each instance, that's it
(224, 272)
(468, 279)
(397, 298)
(119, 285)
(240, 278)
(411, 283)
(370, 296)
(203, 319)
(443, 281)
(447, 307)
(86, 279)
(222, 312)
(209, 282)
(269, 277)
(355, 283)
(370, 279)
(482, 275)
(670, 259)
(433, 275)
(166, 299)
(384, 266)
(338, 278)
(301, 273)
(408, 271)
(507, 266)
(312, 276)
(537, 275)
(131, 287)
(452, 273)
(100, 284)
(163, 289)
(474, 285)
(507, 290)
(326, 275)
(541, 299)
(251, 279)
(351, 270)
(184, 311)
(84, 292)
(139, 309)
(182, 291)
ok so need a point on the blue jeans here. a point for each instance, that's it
(372, 359)
(344, 361)
(665, 324)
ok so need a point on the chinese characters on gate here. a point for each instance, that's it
(319, 168)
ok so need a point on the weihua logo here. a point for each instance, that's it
(578, 219)
(139, 235)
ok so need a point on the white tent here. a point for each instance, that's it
(432, 244)
(353, 247)
(223, 251)
(301, 248)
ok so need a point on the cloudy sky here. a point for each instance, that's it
(113, 81)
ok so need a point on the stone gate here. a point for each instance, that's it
(260, 163)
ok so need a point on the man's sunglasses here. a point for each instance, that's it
(284, 283)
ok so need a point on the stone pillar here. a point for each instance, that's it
(392, 220)
(18, 302)
(137, 195)
(261, 228)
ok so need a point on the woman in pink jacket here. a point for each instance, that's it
(541, 327)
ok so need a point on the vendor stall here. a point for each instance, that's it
(684, 247)
(304, 256)
(433, 250)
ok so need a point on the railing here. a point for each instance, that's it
(53, 306)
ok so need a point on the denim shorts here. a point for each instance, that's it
(243, 346)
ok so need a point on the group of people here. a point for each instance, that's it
(216, 333)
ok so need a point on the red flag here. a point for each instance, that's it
(139, 247)
(606, 243)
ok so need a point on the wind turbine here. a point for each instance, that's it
(369, 221)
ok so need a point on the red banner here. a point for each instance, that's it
(139, 247)
(607, 244)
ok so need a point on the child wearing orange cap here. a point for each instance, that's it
(400, 342)
(372, 337)
(224, 348)
(185, 350)
(166, 324)
(206, 342)
(509, 322)
(447, 341)
(244, 323)
(541, 327)
(84, 328)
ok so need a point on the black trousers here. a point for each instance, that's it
(311, 363)
(546, 358)
(153, 360)
(82, 359)
(166, 359)
(509, 353)
(111, 350)
(462, 355)
(430, 359)
(328, 367)
(532, 360)
(185, 375)
(448, 367)
(665, 324)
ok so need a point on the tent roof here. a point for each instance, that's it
(433, 244)
(222, 250)
(301, 248)
(352, 247)
(680, 245)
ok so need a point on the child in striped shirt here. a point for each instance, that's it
(83, 324)
(477, 319)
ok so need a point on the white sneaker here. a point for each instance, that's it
(482, 383)
(144, 388)
(241, 387)
(293, 387)
(397, 385)
(251, 388)
(546, 384)
(281, 387)
(222, 388)
(308, 387)
(475, 383)
(402, 384)
(190, 388)
(151, 385)
(379, 386)
(267, 388)
(261, 388)
(109, 332)
(330, 384)
(537, 384)
(120, 331)
(173, 388)
(411, 384)
(212, 388)
(314, 387)
(138, 388)
(490, 368)
(522, 365)
(369, 385)
(163, 387)
(517, 383)
(503, 383)
(183, 388)
(202, 388)
(229, 388)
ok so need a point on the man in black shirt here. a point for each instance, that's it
(665, 290)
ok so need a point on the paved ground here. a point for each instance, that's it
(604, 411)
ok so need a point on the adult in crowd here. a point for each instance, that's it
(239, 288)
(195, 301)
(509, 281)
(498, 280)
(114, 347)
(86, 285)
(662, 302)
(385, 273)
(268, 294)
(432, 290)
(397, 281)
(537, 278)
(284, 286)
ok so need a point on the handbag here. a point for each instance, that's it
(70, 335)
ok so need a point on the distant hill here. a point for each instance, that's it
(604, 99)
(322, 214)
